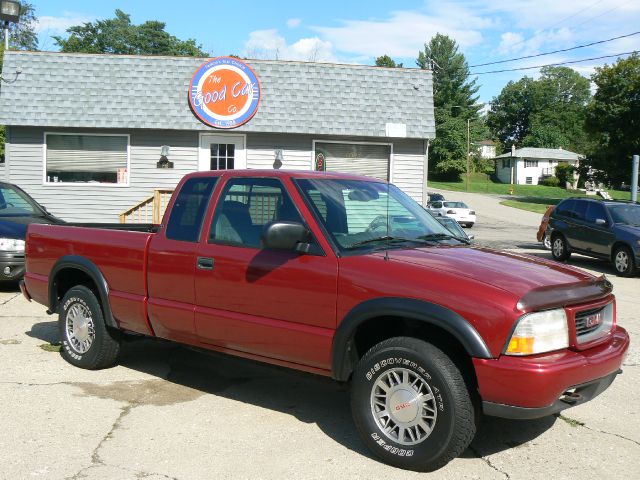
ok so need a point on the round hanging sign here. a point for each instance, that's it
(224, 92)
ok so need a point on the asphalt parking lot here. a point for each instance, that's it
(169, 412)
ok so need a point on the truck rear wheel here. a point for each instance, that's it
(86, 340)
(411, 405)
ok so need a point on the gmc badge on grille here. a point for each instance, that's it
(593, 320)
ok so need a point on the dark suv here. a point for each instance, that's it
(609, 230)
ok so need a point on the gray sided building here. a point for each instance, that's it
(87, 134)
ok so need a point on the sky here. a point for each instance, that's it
(349, 31)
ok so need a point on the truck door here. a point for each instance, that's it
(172, 262)
(275, 304)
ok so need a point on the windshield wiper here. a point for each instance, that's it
(443, 236)
(388, 239)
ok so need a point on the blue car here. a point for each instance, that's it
(609, 230)
(17, 211)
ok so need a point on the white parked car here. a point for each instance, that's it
(459, 211)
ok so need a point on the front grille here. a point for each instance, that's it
(585, 321)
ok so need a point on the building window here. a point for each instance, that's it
(79, 158)
(529, 180)
(506, 163)
(530, 163)
(222, 156)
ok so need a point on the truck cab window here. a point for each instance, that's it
(188, 211)
(246, 206)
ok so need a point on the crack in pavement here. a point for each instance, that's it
(489, 462)
(9, 299)
(577, 423)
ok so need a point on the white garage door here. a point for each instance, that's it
(358, 159)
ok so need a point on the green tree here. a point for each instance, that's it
(454, 99)
(548, 112)
(613, 117)
(22, 36)
(387, 61)
(119, 36)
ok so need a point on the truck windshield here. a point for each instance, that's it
(361, 215)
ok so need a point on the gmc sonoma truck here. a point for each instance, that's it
(346, 277)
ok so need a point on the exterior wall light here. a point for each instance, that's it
(164, 161)
(277, 164)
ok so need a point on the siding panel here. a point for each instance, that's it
(103, 203)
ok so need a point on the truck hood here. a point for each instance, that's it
(536, 282)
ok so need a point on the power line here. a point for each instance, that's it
(556, 51)
(555, 64)
(575, 14)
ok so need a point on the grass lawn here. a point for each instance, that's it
(534, 198)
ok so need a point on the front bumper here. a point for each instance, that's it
(540, 385)
(11, 266)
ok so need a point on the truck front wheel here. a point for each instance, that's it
(411, 405)
(86, 340)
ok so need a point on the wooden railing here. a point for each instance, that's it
(149, 210)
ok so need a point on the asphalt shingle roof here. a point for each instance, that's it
(548, 153)
(122, 91)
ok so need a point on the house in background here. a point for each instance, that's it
(527, 166)
(486, 149)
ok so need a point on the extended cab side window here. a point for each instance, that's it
(188, 211)
(246, 206)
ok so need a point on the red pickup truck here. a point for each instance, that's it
(346, 277)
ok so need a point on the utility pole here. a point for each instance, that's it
(468, 148)
(634, 178)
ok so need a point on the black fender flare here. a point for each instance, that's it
(83, 264)
(343, 351)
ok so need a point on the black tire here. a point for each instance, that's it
(559, 249)
(91, 344)
(452, 424)
(469, 225)
(624, 262)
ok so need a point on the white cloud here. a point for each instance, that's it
(510, 41)
(404, 33)
(57, 25)
(269, 44)
(293, 22)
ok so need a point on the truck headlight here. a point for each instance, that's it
(539, 332)
(11, 245)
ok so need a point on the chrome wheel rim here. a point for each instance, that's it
(558, 247)
(79, 327)
(622, 261)
(546, 241)
(403, 406)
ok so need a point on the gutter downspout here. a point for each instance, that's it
(425, 175)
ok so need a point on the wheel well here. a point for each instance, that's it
(375, 330)
(616, 245)
(68, 278)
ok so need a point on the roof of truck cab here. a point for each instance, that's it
(283, 174)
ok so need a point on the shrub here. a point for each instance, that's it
(550, 182)
(564, 172)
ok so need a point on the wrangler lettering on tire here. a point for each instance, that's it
(411, 405)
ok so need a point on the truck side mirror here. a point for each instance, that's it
(601, 221)
(286, 236)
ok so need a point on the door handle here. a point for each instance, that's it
(205, 263)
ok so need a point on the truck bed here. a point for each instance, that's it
(118, 249)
